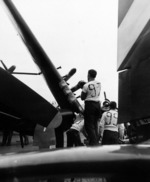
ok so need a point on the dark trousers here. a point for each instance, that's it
(73, 138)
(7, 136)
(110, 137)
(91, 115)
(59, 131)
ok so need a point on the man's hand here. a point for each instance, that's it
(78, 86)
(81, 83)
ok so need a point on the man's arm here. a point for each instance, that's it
(121, 131)
(101, 125)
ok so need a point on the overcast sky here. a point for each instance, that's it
(79, 34)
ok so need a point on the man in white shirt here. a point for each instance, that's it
(109, 125)
(73, 134)
(90, 94)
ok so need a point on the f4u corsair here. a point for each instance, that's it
(108, 163)
(22, 109)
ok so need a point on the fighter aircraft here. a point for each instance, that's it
(24, 110)
(133, 67)
(104, 163)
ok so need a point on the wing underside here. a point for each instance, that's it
(21, 105)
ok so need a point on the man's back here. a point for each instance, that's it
(92, 88)
(109, 120)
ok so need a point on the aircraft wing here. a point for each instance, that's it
(106, 163)
(134, 62)
(21, 106)
(57, 85)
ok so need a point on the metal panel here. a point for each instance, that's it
(23, 101)
(134, 92)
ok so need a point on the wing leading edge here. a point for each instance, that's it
(55, 82)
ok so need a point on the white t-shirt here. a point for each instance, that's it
(79, 125)
(109, 120)
(92, 89)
